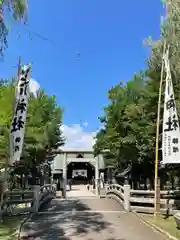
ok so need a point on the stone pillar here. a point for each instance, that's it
(64, 174)
(127, 197)
(97, 175)
(36, 198)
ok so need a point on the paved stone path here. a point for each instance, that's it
(79, 191)
(84, 217)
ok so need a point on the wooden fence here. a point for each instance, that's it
(143, 200)
(18, 202)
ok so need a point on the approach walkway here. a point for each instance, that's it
(79, 191)
(84, 216)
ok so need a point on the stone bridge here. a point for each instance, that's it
(82, 215)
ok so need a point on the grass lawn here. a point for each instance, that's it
(169, 224)
(9, 226)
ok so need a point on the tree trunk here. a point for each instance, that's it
(34, 175)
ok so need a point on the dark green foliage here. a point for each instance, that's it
(42, 134)
(130, 118)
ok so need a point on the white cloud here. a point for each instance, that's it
(34, 86)
(85, 124)
(77, 137)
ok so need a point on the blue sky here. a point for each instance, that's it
(107, 34)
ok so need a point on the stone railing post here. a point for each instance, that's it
(127, 197)
(36, 197)
(106, 187)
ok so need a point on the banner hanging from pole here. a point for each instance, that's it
(171, 131)
(17, 129)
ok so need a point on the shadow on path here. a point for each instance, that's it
(77, 219)
(59, 218)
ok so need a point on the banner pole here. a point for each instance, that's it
(13, 104)
(156, 180)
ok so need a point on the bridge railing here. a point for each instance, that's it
(143, 200)
(18, 201)
(120, 194)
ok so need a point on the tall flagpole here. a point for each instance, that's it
(19, 68)
(156, 178)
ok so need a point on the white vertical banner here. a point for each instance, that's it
(171, 131)
(20, 112)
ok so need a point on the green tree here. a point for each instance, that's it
(18, 10)
(6, 107)
(129, 127)
(130, 118)
(170, 35)
(42, 135)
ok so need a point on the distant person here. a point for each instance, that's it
(61, 182)
(93, 182)
(58, 184)
(70, 184)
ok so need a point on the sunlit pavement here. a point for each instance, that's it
(83, 216)
(79, 191)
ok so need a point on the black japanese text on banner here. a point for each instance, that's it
(20, 112)
(171, 131)
(79, 173)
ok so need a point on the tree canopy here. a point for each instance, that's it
(42, 135)
(129, 124)
(129, 120)
(18, 10)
